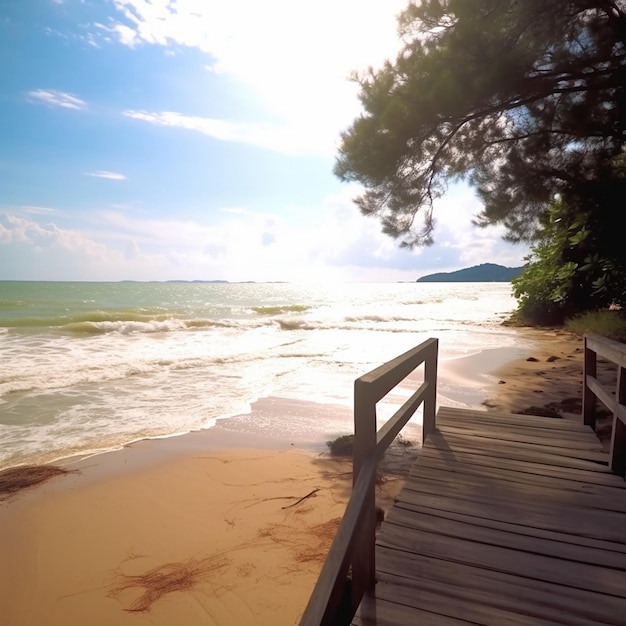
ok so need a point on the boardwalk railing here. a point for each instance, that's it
(614, 399)
(354, 543)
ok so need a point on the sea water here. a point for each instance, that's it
(86, 367)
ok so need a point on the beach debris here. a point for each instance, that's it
(15, 479)
(490, 404)
(532, 359)
(317, 544)
(302, 499)
(165, 579)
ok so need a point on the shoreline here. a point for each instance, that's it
(226, 525)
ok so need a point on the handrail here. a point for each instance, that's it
(354, 544)
(614, 400)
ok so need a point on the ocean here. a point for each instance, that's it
(88, 367)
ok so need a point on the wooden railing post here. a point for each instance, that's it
(363, 561)
(430, 401)
(618, 435)
(613, 399)
(355, 542)
(589, 398)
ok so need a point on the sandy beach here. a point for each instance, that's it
(183, 530)
(207, 529)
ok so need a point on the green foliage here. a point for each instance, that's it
(566, 274)
(341, 446)
(608, 323)
(525, 100)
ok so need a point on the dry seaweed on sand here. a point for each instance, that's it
(165, 579)
(15, 479)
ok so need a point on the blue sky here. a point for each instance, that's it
(190, 139)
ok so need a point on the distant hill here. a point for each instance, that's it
(485, 273)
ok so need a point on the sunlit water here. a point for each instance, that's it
(90, 366)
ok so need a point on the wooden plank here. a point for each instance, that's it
(594, 524)
(374, 612)
(603, 394)
(509, 561)
(487, 420)
(583, 459)
(605, 478)
(447, 415)
(553, 489)
(563, 440)
(454, 607)
(515, 453)
(529, 597)
(396, 516)
(607, 348)
(403, 531)
(430, 466)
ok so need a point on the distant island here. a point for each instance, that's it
(484, 273)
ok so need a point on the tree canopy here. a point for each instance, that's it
(524, 99)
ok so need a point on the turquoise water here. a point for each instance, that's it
(86, 367)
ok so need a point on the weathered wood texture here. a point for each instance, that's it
(614, 399)
(504, 519)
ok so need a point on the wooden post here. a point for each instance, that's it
(617, 455)
(430, 402)
(363, 560)
(589, 398)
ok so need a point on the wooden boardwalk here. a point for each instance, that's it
(504, 520)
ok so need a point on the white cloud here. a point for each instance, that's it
(38, 210)
(296, 56)
(278, 138)
(126, 35)
(106, 174)
(468, 244)
(43, 237)
(332, 243)
(57, 98)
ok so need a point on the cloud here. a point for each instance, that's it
(106, 174)
(38, 210)
(19, 230)
(332, 243)
(57, 98)
(296, 56)
(460, 241)
(281, 139)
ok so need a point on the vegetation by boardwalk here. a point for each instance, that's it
(505, 519)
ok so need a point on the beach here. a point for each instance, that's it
(219, 527)
(190, 529)
(227, 537)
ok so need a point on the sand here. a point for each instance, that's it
(175, 532)
(241, 536)
(549, 374)
(202, 530)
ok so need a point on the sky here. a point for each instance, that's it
(195, 140)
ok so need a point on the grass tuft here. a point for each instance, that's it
(608, 323)
(341, 446)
